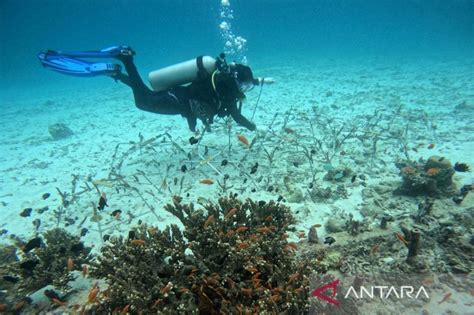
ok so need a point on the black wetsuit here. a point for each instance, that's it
(198, 100)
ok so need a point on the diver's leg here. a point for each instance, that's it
(141, 93)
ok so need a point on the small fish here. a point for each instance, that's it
(184, 168)
(353, 178)
(125, 309)
(92, 296)
(445, 297)
(254, 168)
(206, 181)
(291, 247)
(11, 279)
(401, 238)
(230, 213)
(264, 229)
(193, 140)
(36, 223)
(329, 240)
(137, 242)
(29, 264)
(431, 146)
(45, 196)
(342, 153)
(32, 244)
(427, 281)
(102, 201)
(241, 229)
(288, 130)
(224, 162)
(461, 167)
(77, 248)
(374, 249)
(58, 302)
(70, 264)
(26, 212)
(243, 140)
(116, 214)
(208, 221)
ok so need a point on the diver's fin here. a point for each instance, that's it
(110, 52)
(77, 67)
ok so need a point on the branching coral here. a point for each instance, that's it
(232, 257)
(51, 263)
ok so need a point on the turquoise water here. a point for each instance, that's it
(165, 32)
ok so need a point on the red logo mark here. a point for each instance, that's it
(331, 285)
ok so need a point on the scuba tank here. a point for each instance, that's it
(182, 73)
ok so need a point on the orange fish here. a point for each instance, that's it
(58, 302)
(431, 146)
(241, 229)
(427, 281)
(291, 246)
(70, 264)
(374, 249)
(125, 309)
(433, 171)
(230, 213)
(247, 292)
(251, 269)
(243, 140)
(138, 242)
(445, 297)
(93, 294)
(243, 245)
(206, 181)
(401, 238)
(209, 220)
(264, 229)
(157, 302)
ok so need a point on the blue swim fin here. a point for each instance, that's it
(77, 67)
(66, 61)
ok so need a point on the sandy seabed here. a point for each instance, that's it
(136, 158)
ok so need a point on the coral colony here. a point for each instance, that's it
(243, 255)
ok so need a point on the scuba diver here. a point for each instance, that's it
(200, 88)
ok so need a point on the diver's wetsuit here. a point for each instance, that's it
(197, 100)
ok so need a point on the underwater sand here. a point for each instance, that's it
(32, 164)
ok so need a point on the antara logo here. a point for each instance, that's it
(319, 292)
(381, 291)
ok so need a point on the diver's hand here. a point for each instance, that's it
(268, 80)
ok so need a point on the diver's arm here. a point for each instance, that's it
(261, 81)
(240, 119)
